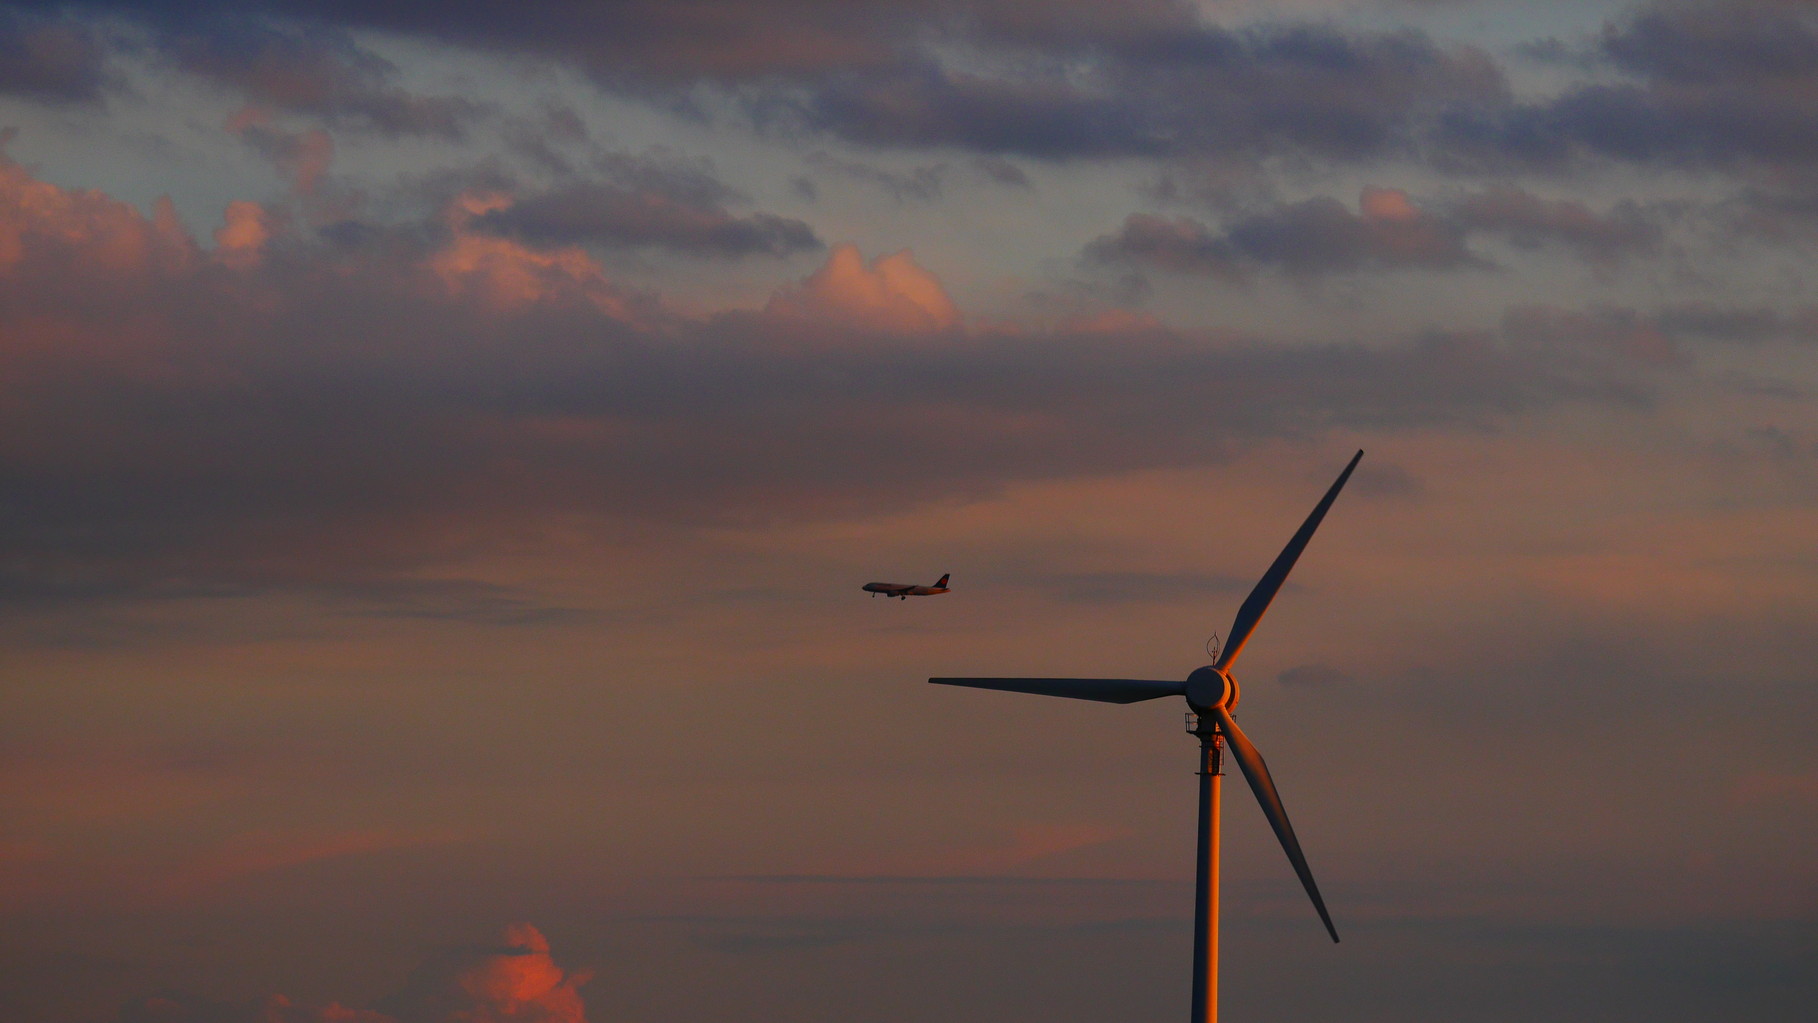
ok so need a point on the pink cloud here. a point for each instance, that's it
(512, 980)
(515, 981)
(40, 222)
(1402, 232)
(507, 274)
(891, 293)
(240, 242)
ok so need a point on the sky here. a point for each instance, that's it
(443, 443)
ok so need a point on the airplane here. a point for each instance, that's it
(902, 592)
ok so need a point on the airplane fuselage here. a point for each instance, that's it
(904, 591)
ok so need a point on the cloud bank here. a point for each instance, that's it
(287, 408)
(512, 980)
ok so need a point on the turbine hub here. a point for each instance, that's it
(1208, 687)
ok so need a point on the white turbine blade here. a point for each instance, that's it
(1104, 690)
(1257, 774)
(1258, 601)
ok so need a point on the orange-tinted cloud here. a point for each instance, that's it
(508, 274)
(890, 294)
(240, 241)
(511, 980)
(42, 223)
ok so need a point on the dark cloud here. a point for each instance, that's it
(1322, 236)
(318, 72)
(1747, 324)
(1188, 88)
(631, 200)
(1305, 239)
(641, 43)
(1729, 44)
(1064, 80)
(1785, 214)
(615, 216)
(920, 184)
(49, 59)
(694, 182)
(1704, 85)
(1002, 171)
(1700, 85)
(1526, 220)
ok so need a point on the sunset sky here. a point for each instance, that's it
(441, 444)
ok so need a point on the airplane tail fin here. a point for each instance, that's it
(943, 581)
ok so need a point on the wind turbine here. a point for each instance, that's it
(1212, 693)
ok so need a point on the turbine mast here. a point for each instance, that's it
(1205, 887)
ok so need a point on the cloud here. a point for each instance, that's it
(1305, 239)
(1710, 322)
(1265, 90)
(320, 72)
(1662, 336)
(511, 980)
(1001, 171)
(921, 184)
(302, 156)
(86, 235)
(891, 294)
(49, 59)
(1700, 85)
(1528, 221)
(1064, 80)
(1750, 42)
(1622, 332)
(323, 413)
(1389, 231)
(505, 274)
(241, 240)
(620, 217)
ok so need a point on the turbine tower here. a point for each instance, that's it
(1212, 693)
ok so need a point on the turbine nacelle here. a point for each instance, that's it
(1209, 688)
